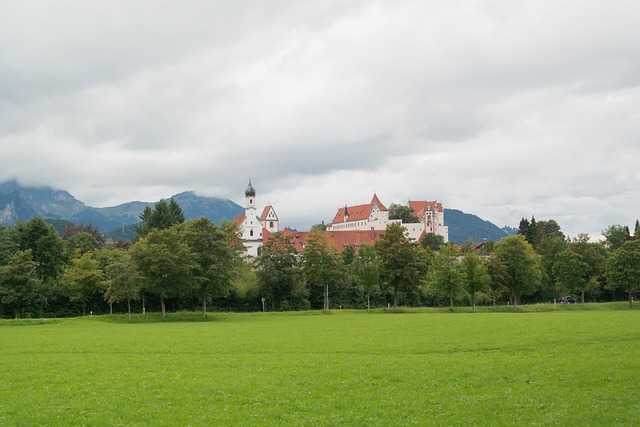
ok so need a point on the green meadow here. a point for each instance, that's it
(569, 366)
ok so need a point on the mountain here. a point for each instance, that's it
(118, 222)
(18, 201)
(464, 227)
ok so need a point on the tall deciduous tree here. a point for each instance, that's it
(278, 274)
(498, 272)
(622, 268)
(522, 272)
(215, 257)
(403, 266)
(476, 276)
(18, 284)
(447, 275)
(570, 272)
(615, 236)
(166, 263)
(366, 271)
(45, 244)
(323, 268)
(124, 281)
(82, 278)
(594, 254)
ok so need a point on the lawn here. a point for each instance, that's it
(565, 367)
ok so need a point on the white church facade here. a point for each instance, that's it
(251, 225)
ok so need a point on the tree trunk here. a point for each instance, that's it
(395, 298)
(582, 297)
(129, 307)
(204, 306)
(368, 302)
(164, 311)
(630, 298)
(450, 301)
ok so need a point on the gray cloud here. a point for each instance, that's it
(503, 109)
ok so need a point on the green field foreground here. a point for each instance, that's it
(564, 367)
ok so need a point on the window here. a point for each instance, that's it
(271, 224)
(251, 233)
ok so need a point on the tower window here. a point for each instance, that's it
(251, 233)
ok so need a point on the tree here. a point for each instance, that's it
(98, 240)
(636, 230)
(215, 257)
(548, 250)
(166, 263)
(535, 231)
(570, 272)
(498, 273)
(594, 255)
(45, 244)
(278, 274)
(79, 244)
(323, 268)
(623, 268)
(615, 236)
(432, 241)
(476, 276)
(8, 246)
(366, 271)
(522, 272)
(124, 282)
(403, 267)
(447, 275)
(162, 216)
(18, 283)
(82, 278)
(403, 213)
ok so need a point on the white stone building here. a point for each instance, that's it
(375, 216)
(251, 225)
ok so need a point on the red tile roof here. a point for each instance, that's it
(338, 239)
(265, 212)
(421, 206)
(239, 219)
(358, 212)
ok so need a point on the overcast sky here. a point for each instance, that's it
(500, 108)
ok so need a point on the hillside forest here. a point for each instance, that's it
(194, 265)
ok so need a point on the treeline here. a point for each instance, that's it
(196, 265)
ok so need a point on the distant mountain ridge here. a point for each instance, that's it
(464, 227)
(118, 222)
(18, 201)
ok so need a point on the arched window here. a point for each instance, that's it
(251, 233)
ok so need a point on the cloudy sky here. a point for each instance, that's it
(500, 108)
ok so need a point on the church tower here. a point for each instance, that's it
(250, 197)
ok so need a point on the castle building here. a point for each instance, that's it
(251, 225)
(375, 216)
(351, 226)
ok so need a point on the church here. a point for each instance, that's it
(251, 225)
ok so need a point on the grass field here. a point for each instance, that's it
(564, 367)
